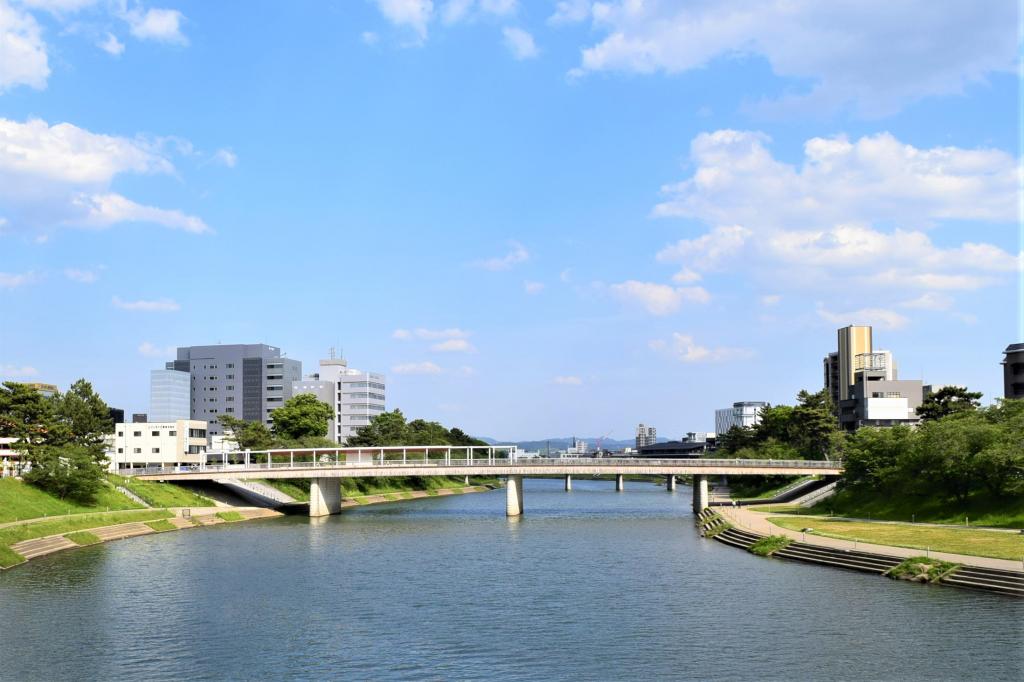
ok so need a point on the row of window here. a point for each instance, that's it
(361, 384)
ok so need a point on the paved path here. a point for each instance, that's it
(759, 523)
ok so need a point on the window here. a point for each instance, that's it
(197, 433)
(120, 451)
(137, 451)
(156, 451)
(172, 433)
(120, 433)
(275, 365)
(137, 434)
(272, 377)
(229, 376)
(154, 433)
(274, 388)
(230, 365)
(278, 399)
(229, 399)
(229, 388)
(230, 409)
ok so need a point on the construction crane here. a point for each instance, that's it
(600, 441)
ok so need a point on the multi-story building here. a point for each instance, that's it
(853, 341)
(741, 415)
(356, 396)
(1013, 371)
(578, 447)
(645, 435)
(170, 395)
(247, 381)
(831, 369)
(178, 443)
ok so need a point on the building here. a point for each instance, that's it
(116, 415)
(831, 370)
(170, 395)
(672, 450)
(356, 396)
(139, 418)
(1013, 371)
(578, 447)
(47, 390)
(178, 443)
(853, 341)
(645, 435)
(741, 415)
(248, 381)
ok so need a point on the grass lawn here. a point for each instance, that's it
(230, 516)
(778, 508)
(83, 537)
(358, 487)
(158, 494)
(981, 509)
(768, 545)
(20, 501)
(67, 524)
(161, 525)
(955, 540)
(299, 492)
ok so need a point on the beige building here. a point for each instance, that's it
(853, 341)
(178, 443)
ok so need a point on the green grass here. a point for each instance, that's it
(773, 491)
(777, 508)
(980, 509)
(161, 525)
(230, 516)
(921, 569)
(158, 494)
(999, 545)
(67, 524)
(83, 537)
(20, 501)
(767, 546)
(359, 487)
(295, 488)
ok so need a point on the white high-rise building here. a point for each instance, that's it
(356, 396)
(645, 435)
(742, 414)
(169, 395)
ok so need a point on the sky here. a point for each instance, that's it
(538, 218)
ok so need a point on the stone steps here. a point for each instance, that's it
(836, 557)
(40, 546)
(988, 579)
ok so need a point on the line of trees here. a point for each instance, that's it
(391, 428)
(807, 430)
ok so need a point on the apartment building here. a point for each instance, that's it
(356, 396)
(645, 435)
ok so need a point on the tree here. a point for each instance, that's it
(422, 432)
(83, 417)
(948, 400)
(68, 471)
(945, 454)
(25, 414)
(813, 425)
(873, 456)
(249, 435)
(387, 428)
(457, 436)
(775, 422)
(735, 439)
(302, 416)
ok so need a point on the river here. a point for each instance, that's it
(588, 585)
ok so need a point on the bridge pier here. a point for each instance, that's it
(620, 483)
(670, 482)
(568, 482)
(700, 493)
(514, 496)
(324, 496)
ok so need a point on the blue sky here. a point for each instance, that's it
(538, 218)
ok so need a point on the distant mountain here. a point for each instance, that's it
(562, 443)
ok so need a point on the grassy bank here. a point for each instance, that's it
(359, 487)
(998, 545)
(161, 494)
(67, 524)
(20, 501)
(980, 509)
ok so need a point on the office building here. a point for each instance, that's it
(139, 418)
(831, 370)
(853, 341)
(169, 395)
(356, 396)
(247, 381)
(116, 415)
(1013, 371)
(146, 444)
(645, 435)
(744, 414)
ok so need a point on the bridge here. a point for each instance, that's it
(325, 467)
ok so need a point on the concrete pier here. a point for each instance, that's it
(670, 482)
(514, 496)
(620, 484)
(467, 480)
(568, 482)
(324, 496)
(700, 493)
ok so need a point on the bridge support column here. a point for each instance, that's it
(467, 480)
(700, 493)
(620, 483)
(568, 482)
(324, 496)
(514, 496)
(670, 482)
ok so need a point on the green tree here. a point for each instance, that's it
(249, 435)
(948, 400)
(302, 416)
(83, 417)
(735, 439)
(873, 456)
(813, 425)
(775, 422)
(387, 428)
(68, 472)
(945, 456)
(25, 414)
(457, 436)
(422, 432)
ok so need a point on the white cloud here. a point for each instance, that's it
(151, 350)
(683, 348)
(659, 299)
(23, 59)
(570, 12)
(226, 157)
(873, 55)
(930, 300)
(59, 7)
(111, 45)
(14, 371)
(568, 380)
(161, 25)
(411, 14)
(456, 11)
(517, 254)
(520, 43)
(686, 276)
(708, 250)
(81, 276)
(453, 346)
(875, 317)
(533, 288)
(416, 368)
(60, 175)
(162, 305)
(430, 334)
(11, 280)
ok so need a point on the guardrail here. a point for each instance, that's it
(449, 462)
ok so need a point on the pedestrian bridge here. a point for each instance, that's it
(325, 467)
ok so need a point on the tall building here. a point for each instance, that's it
(645, 435)
(1013, 371)
(248, 381)
(356, 396)
(170, 395)
(853, 341)
(742, 415)
(831, 368)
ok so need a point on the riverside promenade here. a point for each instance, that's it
(758, 523)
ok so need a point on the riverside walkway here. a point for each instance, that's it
(324, 467)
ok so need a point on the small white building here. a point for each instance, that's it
(176, 443)
(741, 415)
